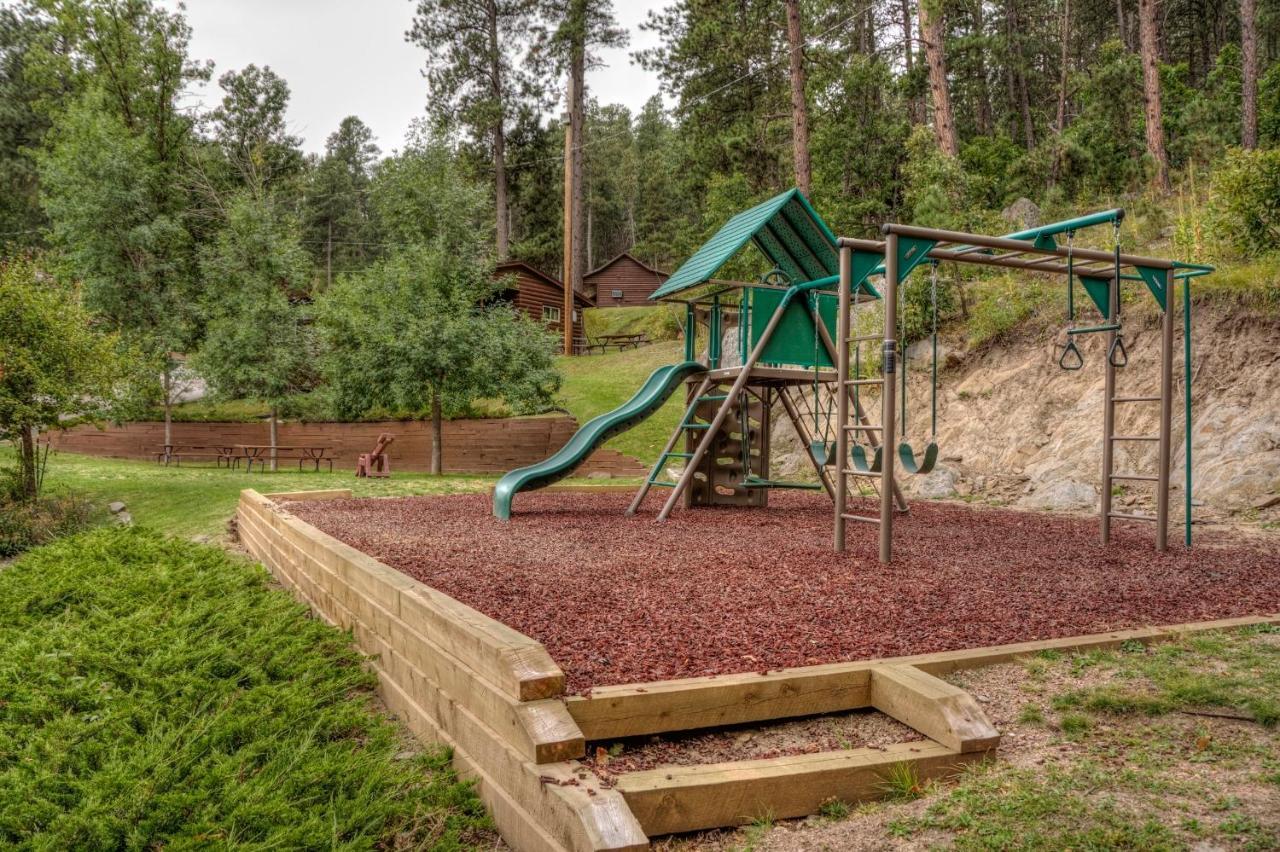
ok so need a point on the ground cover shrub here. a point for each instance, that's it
(156, 693)
(26, 524)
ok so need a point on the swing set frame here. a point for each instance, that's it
(725, 428)
(1036, 250)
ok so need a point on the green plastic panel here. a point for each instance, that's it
(1155, 280)
(787, 231)
(1099, 289)
(792, 342)
(911, 253)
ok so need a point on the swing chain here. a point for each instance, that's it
(1071, 358)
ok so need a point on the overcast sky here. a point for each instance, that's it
(349, 57)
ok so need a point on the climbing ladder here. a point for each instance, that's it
(688, 423)
(1162, 440)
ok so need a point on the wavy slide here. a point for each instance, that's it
(655, 391)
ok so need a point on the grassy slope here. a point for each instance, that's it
(594, 384)
(158, 694)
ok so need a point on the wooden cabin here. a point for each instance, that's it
(622, 282)
(538, 294)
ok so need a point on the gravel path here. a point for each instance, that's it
(714, 591)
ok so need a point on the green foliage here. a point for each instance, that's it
(336, 217)
(1004, 303)
(413, 333)
(934, 185)
(1246, 201)
(55, 366)
(160, 694)
(257, 342)
(1104, 145)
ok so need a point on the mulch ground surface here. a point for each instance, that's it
(716, 591)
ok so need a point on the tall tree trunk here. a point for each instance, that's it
(799, 107)
(437, 433)
(1020, 75)
(328, 256)
(166, 386)
(984, 91)
(914, 110)
(27, 489)
(1124, 34)
(1147, 36)
(1249, 95)
(577, 118)
(931, 33)
(1064, 59)
(499, 133)
(1063, 75)
(275, 439)
(566, 310)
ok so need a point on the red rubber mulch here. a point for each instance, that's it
(716, 591)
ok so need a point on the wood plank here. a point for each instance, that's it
(612, 712)
(303, 496)
(542, 731)
(672, 705)
(937, 709)
(693, 798)
(509, 659)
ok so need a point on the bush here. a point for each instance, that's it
(1246, 201)
(29, 523)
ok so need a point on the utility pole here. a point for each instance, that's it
(566, 315)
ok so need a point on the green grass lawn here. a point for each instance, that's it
(189, 501)
(158, 694)
(594, 384)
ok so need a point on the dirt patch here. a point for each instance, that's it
(831, 732)
(716, 591)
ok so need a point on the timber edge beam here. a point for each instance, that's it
(673, 705)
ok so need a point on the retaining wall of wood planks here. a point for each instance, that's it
(470, 446)
(456, 677)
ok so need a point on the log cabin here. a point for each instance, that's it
(538, 294)
(623, 281)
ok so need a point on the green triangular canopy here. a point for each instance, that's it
(786, 229)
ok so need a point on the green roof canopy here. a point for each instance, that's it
(786, 229)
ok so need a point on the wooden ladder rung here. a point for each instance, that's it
(862, 518)
(1135, 399)
(1135, 437)
(1140, 477)
(1123, 516)
(864, 381)
(864, 338)
(868, 475)
(856, 428)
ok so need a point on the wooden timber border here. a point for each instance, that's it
(495, 696)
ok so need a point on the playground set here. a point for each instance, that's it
(528, 645)
(800, 353)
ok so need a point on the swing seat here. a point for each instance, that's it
(858, 455)
(907, 458)
(824, 453)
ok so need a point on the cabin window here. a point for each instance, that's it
(617, 294)
(550, 314)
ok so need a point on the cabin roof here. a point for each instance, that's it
(508, 266)
(611, 261)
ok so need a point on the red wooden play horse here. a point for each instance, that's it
(376, 463)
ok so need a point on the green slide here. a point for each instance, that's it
(595, 432)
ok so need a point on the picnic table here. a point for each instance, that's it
(623, 341)
(261, 453)
(175, 453)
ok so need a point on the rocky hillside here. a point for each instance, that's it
(1016, 429)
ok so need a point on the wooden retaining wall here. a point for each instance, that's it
(470, 446)
(495, 696)
(455, 677)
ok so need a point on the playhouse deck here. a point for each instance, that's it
(720, 617)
